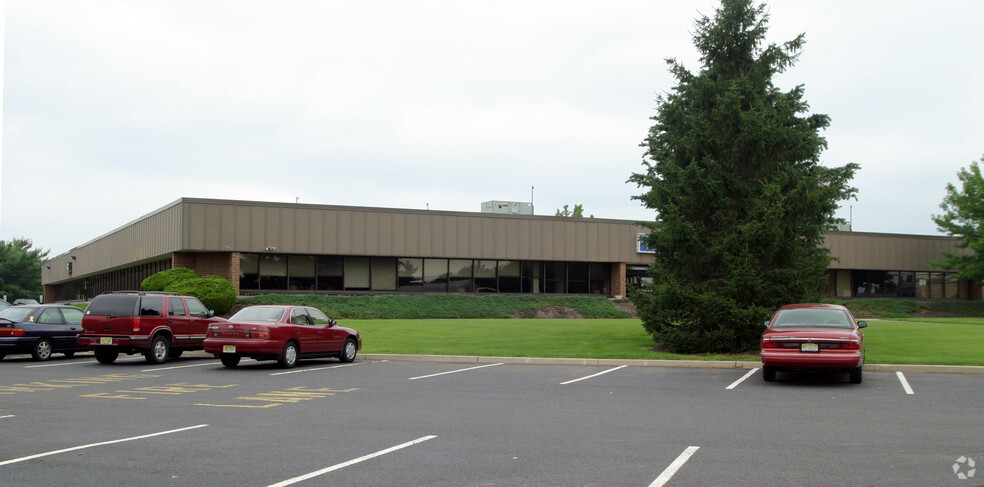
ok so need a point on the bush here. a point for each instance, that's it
(216, 293)
(163, 279)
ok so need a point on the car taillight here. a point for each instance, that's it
(136, 324)
(257, 334)
(770, 344)
(11, 332)
(852, 345)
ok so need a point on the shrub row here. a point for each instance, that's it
(438, 306)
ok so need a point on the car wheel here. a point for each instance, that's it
(106, 355)
(159, 348)
(42, 349)
(230, 360)
(769, 373)
(288, 358)
(174, 353)
(69, 354)
(349, 350)
(856, 375)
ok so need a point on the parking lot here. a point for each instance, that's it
(384, 422)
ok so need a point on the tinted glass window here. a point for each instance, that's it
(298, 317)
(151, 306)
(112, 305)
(72, 315)
(51, 316)
(175, 307)
(196, 308)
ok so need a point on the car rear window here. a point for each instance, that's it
(112, 305)
(833, 318)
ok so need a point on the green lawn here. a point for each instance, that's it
(942, 341)
(939, 341)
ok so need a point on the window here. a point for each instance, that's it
(410, 275)
(151, 306)
(318, 317)
(330, 273)
(599, 278)
(577, 277)
(249, 271)
(72, 315)
(175, 307)
(484, 272)
(509, 276)
(383, 274)
(51, 316)
(435, 275)
(532, 277)
(357, 273)
(197, 309)
(460, 276)
(273, 272)
(298, 317)
(301, 272)
(555, 277)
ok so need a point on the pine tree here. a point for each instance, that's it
(732, 170)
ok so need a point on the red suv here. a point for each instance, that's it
(157, 324)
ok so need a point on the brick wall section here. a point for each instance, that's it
(618, 279)
(223, 264)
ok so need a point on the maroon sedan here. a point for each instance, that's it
(281, 333)
(813, 336)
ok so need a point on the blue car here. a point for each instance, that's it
(40, 330)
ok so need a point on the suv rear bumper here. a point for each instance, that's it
(128, 341)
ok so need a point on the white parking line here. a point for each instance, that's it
(905, 383)
(454, 371)
(178, 367)
(91, 445)
(7, 416)
(58, 364)
(314, 369)
(739, 381)
(593, 375)
(676, 465)
(351, 462)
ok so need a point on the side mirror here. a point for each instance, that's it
(766, 324)
(211, 313)
(332, 323)
(862, 324)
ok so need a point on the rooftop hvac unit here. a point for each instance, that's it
(507, 207)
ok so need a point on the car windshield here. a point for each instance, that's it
(832, 318)
(17, 313)
(258, 314)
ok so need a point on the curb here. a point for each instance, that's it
(469, 359)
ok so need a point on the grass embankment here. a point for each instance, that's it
(440, 306)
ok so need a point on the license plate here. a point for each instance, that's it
(809, 347)
(105, 340)
(228, 349)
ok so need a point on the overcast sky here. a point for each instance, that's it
(113, 109)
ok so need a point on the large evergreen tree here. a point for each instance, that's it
(732, 170)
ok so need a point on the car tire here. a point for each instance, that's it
(69, 354)
(159, 348)
(856, 375)
(769, 373)
(349, 351)
(288, 357)
(42, 349)
(2, 355)
(174, 353)
(230, 360)
(106, 355)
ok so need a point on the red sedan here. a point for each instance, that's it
(813, 336)
(282, 333)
